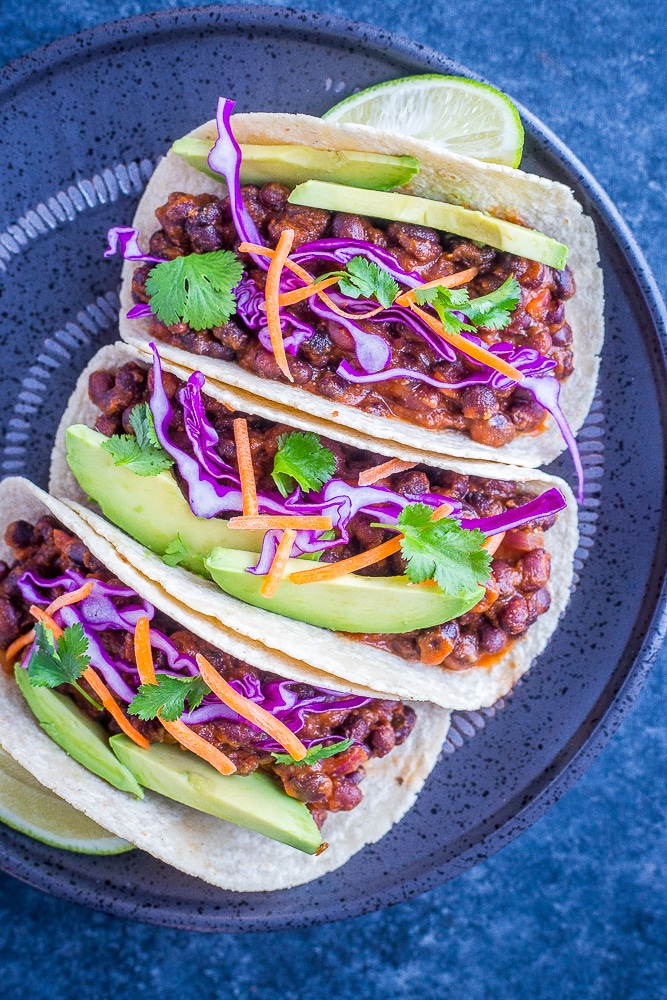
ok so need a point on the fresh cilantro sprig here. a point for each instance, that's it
(168, 697)
(143, 453)
(63, 662)
(442, 551)
(364, 278)
(196, 289)
(315, 753)
(175, 552)
(492, 311)
(302, 458)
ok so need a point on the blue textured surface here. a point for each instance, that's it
(578, 905)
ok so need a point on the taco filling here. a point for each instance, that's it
(455, 599)
(392, 318)
(339, 732)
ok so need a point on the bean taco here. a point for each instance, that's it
(423, 577)
(178, 736)
(460, 312)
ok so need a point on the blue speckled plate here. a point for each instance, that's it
(83, 122)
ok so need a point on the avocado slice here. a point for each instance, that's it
(291, 165)
(255, 801)
(151, 509)
(465, 222)
(387, 604)
(80, 737)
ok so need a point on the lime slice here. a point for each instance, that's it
(28, 807)
(459, 115)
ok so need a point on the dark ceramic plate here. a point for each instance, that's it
(83, 122)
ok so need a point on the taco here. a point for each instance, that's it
(58, 575)
(162, 452)
(433, 368)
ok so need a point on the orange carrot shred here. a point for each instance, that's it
(275, 574)
(299, 294)
(289, 264)
(75, 595)
(97, 684)
(181, 733)
(331, 571)
(348, 315)
(272, 293)
(480, 354)
(450, 281)
(17, 646)
(264, 522)
(250, 710)
(370, 476)
(246, 471)
(493, 542)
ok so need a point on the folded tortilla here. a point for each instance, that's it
(194, 842)
(352, 662)
(507, 193)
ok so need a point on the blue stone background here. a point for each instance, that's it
(577, 906)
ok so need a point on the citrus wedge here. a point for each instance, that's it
(457, 114)
(28, 807)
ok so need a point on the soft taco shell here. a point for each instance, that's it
(512, 194)
(352, 662)
(200, 845)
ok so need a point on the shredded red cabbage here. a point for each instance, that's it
(546, 390)
(342, 251)
(373, 352)
(201, 434)
(249, 301)
(126, 239)
(549, 502)
(141, 311)
(225, 159)
(292, 342)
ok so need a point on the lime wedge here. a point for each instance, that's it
(459, 115)
(28, 807)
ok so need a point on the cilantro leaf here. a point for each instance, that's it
(143, 454)
(168, 697)
(52, 664)
(303, 458)
(365, 278)
(492, 311)
(443, 551)
(175, 552)
(315, 753)
(196, 289)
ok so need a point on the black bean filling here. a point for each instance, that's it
(202, 223)
(517, 592)
(48, 550)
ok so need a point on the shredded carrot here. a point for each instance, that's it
(272, 295)
(348, 315)
(450, 281)
(275, 574)
(299, 294)
(17, 646)
(331, 571)
(289, 264)
(264, 522)
(493, 542)
(467, 347)
(246, 471)
(65, 599)
(97, 684)
(370, 476)
(181, 733)
(250, 710)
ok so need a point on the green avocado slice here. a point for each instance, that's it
(255, 801)
(478, 226)
(151, 509)
(80, 737)
(347, 604)
(292, 165)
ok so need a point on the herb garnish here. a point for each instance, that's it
(196, 289)
(143, 454)
(315, 753)
(175, 552)
(492, 311)
(442, 551)
(63, 662)
(366, 278)
(168, 697)
(303, 458)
